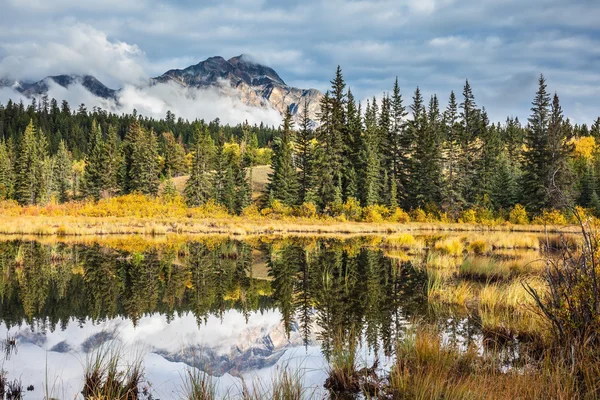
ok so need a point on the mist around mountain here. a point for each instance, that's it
(233, 90)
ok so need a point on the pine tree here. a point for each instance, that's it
(62, 172)
(337, 134)
(385, 157)
(283, 181)
(426, 165)
(536, 156)
(243, 187)
(220, 165)
(149, 182)
(140, 161)
(174, 155)
(28, 165)
(6, 171)
(94, 176)
(595, 131)
(454, 183)
(487, 161)
(505, 192)
(113, 161)
(400, 145)
(470, 117)
(559, 176)
(370, 180)
(354, 142)
(304, 138)
(169, 191)
(198, 187)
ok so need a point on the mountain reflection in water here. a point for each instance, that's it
(230, 308)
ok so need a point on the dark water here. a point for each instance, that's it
(227, 307)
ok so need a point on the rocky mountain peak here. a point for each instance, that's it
(253, 83)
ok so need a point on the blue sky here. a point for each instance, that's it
(500, 46)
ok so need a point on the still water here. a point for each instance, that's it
(239, 311)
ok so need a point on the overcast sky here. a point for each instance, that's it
(501, 46)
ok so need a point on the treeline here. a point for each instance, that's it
(441, 161)
(31, 174)
(391, 155)
(74, 127)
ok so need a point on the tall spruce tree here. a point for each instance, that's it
(113, 161)
(140, 161)
(6, 171)
(283, 181)
(62, 172)
(536, 156)
(304, 144)
(353, 147)
(338, 128)
(94, 176)
(370, 177)
(470, 117)
(454, 181)
(399, 146)
(28, 168)
(559, 178)
(198, 188)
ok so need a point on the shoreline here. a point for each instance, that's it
(240, 226)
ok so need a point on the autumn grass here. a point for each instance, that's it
(107, 376)
(426, 368)
(138, 214)
(286, 384)
(197, 385)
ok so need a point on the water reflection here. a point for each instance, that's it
(326, 294)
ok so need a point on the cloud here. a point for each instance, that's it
(79, 49)
(216, 102)
(434, 44)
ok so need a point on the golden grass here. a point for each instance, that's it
(138, 214)
(427, 369)
(452, 246)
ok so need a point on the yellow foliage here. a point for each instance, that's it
(418, 215)
(584, 147)
(400, 216)
(251, 211)
(373, 214)
(518, 215)
(352, 209)
(306, 210)
(468, 216)
(552, 217)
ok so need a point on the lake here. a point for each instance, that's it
(240, 311)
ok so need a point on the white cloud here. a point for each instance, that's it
(78, 49)
(222, 103)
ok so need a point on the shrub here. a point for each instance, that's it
(400, 216)
(352, 209)
(306, 210)
(571, 304)
(468, 216)
(550, 217)
(518, 215)
(280, 208)
(372, 214)
(251, 211)
(418, 215)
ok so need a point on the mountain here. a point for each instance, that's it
(253, 83)
(92, 84)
